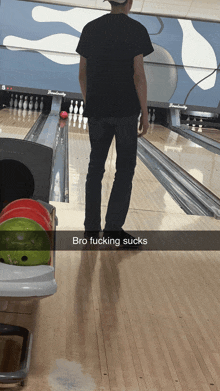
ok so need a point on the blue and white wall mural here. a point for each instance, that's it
(38, 44)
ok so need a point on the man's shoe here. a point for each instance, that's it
(129, 242)
(91, 234)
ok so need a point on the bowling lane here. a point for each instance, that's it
(201, 164)
(16, 123)
(147, 192)
(213, 134)
(111, 302)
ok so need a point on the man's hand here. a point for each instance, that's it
(144, 125)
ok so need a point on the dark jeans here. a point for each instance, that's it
(101, 133)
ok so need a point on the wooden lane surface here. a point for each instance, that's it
(15, 123)
(212, 133)
(200, 163)
(128, 320)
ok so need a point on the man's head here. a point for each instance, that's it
(121, 8)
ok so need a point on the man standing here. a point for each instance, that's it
(114, 89)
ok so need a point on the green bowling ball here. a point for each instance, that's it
(23, 242)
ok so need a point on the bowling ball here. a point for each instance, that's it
(29, 214)
(23, 242)
(28, 203)
(64, 114)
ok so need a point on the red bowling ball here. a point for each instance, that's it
(29, 204)
(64, 114)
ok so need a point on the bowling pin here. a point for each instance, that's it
(43, 14)
(81, 109)
(31, 103)
(25, 105)
(20, 104)
(41, 104)
(76, 107)
(16, 101)
(71, 107)
(36, 104)
(201, 123)
(11, 101)
(196, 65)
(52, 47)
(149, 115)
(194, 125)
(153, 116)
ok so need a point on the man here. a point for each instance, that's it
(114, 89)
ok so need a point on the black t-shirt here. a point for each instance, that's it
(110, 44)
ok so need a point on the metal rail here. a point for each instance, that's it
(205, 142)
(46, 131)
(191, 195)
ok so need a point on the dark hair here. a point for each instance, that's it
(117, 4)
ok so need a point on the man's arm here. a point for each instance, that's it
(82, 76)
(140, 82)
